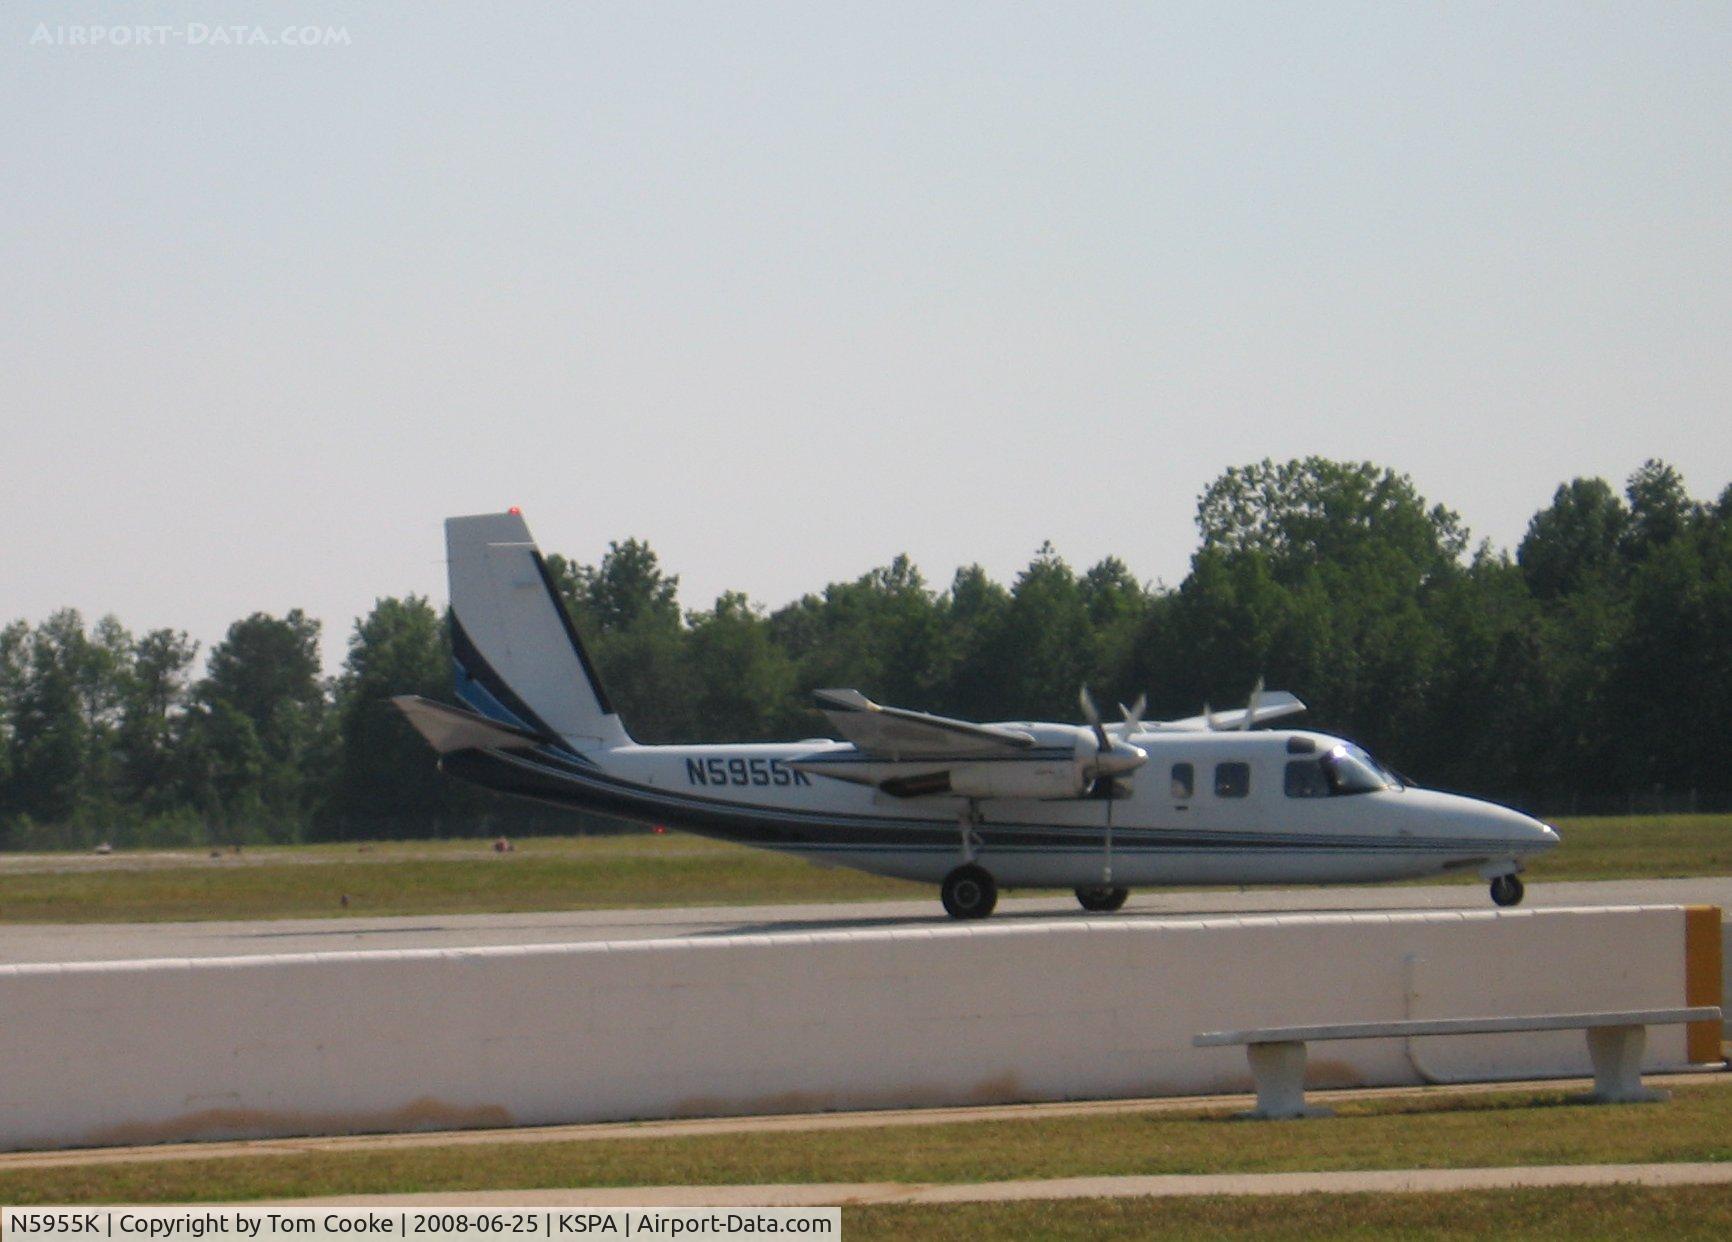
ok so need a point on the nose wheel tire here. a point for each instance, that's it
(1101, 900)
(1507, 890)
(969, 892)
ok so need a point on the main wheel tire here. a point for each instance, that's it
(969, 892)
(1100, 899)
(1507, 890)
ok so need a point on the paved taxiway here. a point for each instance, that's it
(92, 942)
(1158, 1186)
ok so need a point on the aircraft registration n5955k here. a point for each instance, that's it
(971, 807)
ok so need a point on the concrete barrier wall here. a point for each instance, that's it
(138, 1052)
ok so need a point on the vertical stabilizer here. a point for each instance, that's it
(519, 658)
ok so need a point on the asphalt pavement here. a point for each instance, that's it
(95, 942)
(1168, 1185)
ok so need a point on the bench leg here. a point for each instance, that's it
(1279, 1072)
(1617, 1057)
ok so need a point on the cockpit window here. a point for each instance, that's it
(1353, 771)
(1344, 770)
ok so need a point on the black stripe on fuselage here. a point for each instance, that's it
(775, 828)
(1056, 754)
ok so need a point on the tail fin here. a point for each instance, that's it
(519, 658)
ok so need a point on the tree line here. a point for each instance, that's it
(1589, 671)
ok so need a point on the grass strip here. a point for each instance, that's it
(1652, 847)
(1429, 1131)
(391, 880)
(639, 871)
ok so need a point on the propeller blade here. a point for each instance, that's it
(1107, 859)
(1093, 716)
(1252, 705)
(1134, 714)
(1209, 715)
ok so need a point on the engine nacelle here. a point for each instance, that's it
(1027, 779)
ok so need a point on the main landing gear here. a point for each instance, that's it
(1507, 890)
(1102, 899)
(969, 892)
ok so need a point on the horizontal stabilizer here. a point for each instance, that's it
(450, 729)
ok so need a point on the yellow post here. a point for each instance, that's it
(1702, 979)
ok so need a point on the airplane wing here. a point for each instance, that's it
(1272, 705)
(895, 733)
(455, 728)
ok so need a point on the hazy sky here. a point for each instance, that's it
(788, 289)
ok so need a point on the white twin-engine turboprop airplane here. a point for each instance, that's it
(971, 807)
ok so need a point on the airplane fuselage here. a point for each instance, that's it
(972, 807)
(1213, 808)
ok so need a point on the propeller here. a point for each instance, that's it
(1111, 760)
(1093, 716)
(1217, 725)
(1133, 716)
(1251, 706)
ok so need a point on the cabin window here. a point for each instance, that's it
(1232, 780)
(1184, 781)
(1305, 779)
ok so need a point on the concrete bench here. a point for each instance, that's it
(1615, 1042)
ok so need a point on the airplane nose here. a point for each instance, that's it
(1520, 833)
(1537, 835)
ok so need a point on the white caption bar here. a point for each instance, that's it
(416, 1225)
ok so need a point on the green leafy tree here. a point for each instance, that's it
(1312, 512)
(153, 704)
(14, 655)
(1660, 509)
(386, 783)
(1574, 543)
(627, 611)
(744, 683)
(973, 614)
(1486, 718)
(1230, 622)
(1671, 692)
(1116, 604)
(1319, 574)
(50, 737)
(64, 712)
(628, 590)
(257, 742)
(1040, 649)
(883, 634)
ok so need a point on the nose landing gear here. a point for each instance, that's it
(1507, 890)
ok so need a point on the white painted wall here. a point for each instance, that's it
(104, 1053)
